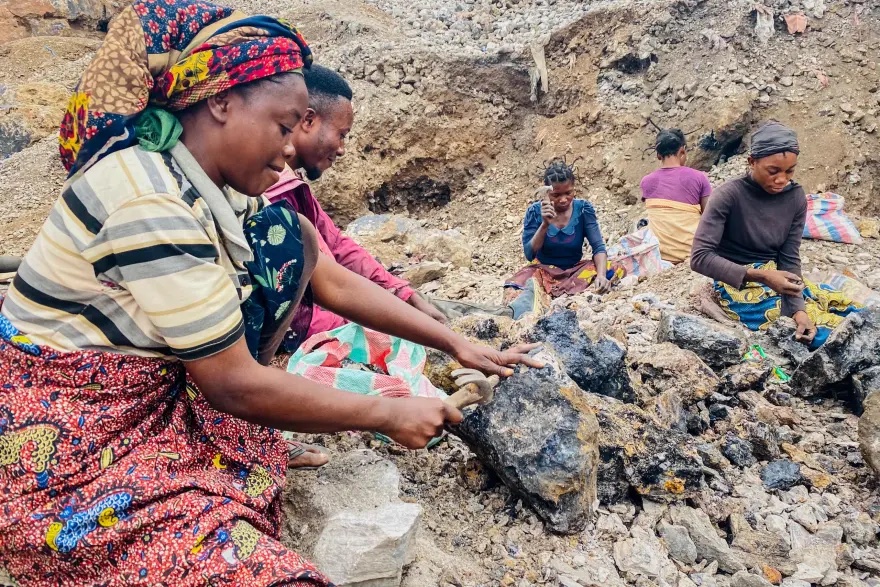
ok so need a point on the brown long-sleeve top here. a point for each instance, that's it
(743, 224)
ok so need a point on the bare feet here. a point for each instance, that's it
(306, 456)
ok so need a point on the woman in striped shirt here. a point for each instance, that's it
(138, 432)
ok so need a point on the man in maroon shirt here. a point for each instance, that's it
(319, 139)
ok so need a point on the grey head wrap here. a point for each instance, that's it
(773, 138)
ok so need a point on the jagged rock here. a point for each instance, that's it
(643, 555)
(597, 367)
(869, 431)
(782, 332)
(711, 456)
(679, 543)
(781, 474)
(596, 570)
(636, 453)
(864, 384)
(764, 546)
(764, 441)
(717, 346)
(738, 451)
(709, 545)
(666, 367)
(421, 273)
(744, 376)
(746, 579)
(14, 136)
(854, 346)
(359, 532)
(541, 438)
(859, 528)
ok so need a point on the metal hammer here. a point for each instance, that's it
(473, 388)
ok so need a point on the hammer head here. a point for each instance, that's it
(473, 388)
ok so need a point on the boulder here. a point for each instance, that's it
(717, 346)
(421, 273)
(597, 367)
(709, 545)
(738, 451)
(745, 376)
(664, 367)
(540, 437)
(393, 238)
(348, 519)
(764, 546)
(854, 346)
(638, 454)
(764, 440)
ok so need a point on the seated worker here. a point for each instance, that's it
(141, 440)
(554, 232)
(749, 241)
(319, 139)
(675, 196)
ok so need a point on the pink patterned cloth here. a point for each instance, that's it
(294, 190)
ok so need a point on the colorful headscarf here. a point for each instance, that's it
(169, 54)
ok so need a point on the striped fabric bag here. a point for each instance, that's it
(356, 359)
(826, 220)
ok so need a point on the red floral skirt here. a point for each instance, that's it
(114, 470)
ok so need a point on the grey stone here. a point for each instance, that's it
(762, 437)
(864, 384)
(782, 332)
(709, 545)
(717, 346)
(666, 368)
(738, 451)
(766, 546)
(854, 346)
(781, 474)
(359, 532)
(541, 439)
(744, 376)
(13, 138)
(859, 528)
(597, 367)
(869, 431)
(642, 554)
(746, 579)
(679, 543)
(711, 456)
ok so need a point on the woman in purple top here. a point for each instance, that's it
(554, 232)
(675, 196)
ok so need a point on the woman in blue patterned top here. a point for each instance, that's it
(554, 231)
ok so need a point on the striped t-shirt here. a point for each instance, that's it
(130, 261)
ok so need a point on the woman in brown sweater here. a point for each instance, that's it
(749, 241)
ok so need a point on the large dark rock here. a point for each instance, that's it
(541, 438)
(853, 347)
(597, 367)
(665, 368)
(738, 451)
(717, 346)
(640, 455)
(781, 474)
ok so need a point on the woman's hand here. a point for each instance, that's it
(806, 330)
(414, 421)
(602, 284)
(494, 362)
(782, 282)
(548, 212)
(425, 307)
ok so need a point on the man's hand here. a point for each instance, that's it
(494, 362)
(425, 307)
(414, 421)
(806, 330)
